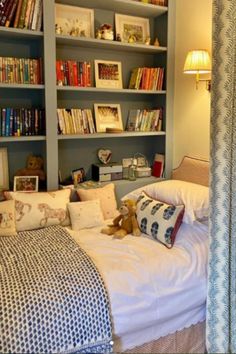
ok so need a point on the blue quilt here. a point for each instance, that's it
(53, 299)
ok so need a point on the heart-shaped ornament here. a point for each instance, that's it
(104, 155)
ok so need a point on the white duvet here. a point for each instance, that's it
(153, 291)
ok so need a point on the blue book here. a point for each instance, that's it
(7, 124)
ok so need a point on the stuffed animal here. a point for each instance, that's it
(125, 223)
(34, 167)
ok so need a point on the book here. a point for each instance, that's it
(11, 13)
(22, 14)
(17, 16)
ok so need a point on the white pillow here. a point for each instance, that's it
(7, 218)
(85, 215)
(194, 197)
(40, 209)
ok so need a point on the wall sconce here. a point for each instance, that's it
(198, 62)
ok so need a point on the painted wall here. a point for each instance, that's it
(191, 106)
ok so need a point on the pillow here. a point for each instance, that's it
(84, 215)
(107, 198)
(159, 220)
(195, 197)
(7, 218)
(40, 209)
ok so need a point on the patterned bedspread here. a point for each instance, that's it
(53, 300)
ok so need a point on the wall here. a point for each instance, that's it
(191, 106)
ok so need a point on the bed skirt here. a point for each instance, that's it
(189, 340)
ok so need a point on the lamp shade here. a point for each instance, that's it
(197, 62)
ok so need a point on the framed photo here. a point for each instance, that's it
(4, 173)
(135, 29)
(108, 115)
(108, 74)
(26, 183)
(74, 21)
(78, 175)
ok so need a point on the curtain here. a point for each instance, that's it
(221, 301)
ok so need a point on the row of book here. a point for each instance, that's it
(27, 14)
(73, 73)
(21, 70)
(75, 121)
(22, 121)
(145, 120)
(147, 78)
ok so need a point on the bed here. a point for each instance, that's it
(156, 296)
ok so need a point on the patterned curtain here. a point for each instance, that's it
(221, 302)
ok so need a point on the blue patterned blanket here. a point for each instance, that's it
(53, 297)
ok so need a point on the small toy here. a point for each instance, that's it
(34, 167)
(156, 42)
(148, 40)
(125, 223)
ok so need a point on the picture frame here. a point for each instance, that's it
(108, 74)
(26, 184)
(74, 21)
(78, 175)
(4, 172)
(108, 116)
(132, 28)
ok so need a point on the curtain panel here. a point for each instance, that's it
(221, 301)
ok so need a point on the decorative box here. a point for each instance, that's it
(108, 172)
(143, 172)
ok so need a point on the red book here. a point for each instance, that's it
(75, 73)
(157, 168)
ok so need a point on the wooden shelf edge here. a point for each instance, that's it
(109, 135)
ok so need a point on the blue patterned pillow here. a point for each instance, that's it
(158, 219)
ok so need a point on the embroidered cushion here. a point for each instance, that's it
(84, 215)
(159, 220)
(40, 209)
(7, 218)
(107, 198)
(194, 197)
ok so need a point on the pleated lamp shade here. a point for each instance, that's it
(197, 62)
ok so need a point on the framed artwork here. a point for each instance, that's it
(108, 74)
(4, 173)
(26, 183)
(131, 28)
(108, 116)
(78, 175)
(74, 21)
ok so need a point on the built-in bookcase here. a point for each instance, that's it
(68, 152)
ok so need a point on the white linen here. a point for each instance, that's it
(153, 291)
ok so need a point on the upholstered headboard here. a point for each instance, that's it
(193, 170)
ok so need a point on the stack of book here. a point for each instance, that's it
(147, 79)
(22, 121)
(25, 14)
(73, 73)
(21, 71)
(75, 121)
(144, 120)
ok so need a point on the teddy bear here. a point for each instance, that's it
(34, 167)
(125, 223)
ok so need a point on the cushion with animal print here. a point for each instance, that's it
(7, 218)
(159, 220)
(40, 209)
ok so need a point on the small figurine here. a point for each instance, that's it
(132, 38)
(148, 40)
(118, 37)
(58, 29)
(98, 34)
(156, 42)
(82, 33)
(107, 32)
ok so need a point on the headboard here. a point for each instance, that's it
(193, 170)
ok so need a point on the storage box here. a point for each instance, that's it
(143, 172)
(109, 172)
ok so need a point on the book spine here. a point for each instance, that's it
(11, 13)
(31, 14)
(35, 14)
(3, 5)
(39, 17)
(27, 13)
(6, 13)
(18, 11)
(22, 14)
(3, 121)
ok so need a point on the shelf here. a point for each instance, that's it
(128, 7)
(17, 139)
(22, 86)
(106, 90)
(106, 44)
(109, 135)
(9, 32)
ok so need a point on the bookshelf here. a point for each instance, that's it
(68, 152)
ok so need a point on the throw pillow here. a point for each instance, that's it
(85, 215)
(7, 218)
(107, 198)
(159, 220)
(40, 209)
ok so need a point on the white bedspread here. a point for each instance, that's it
(153, 291)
